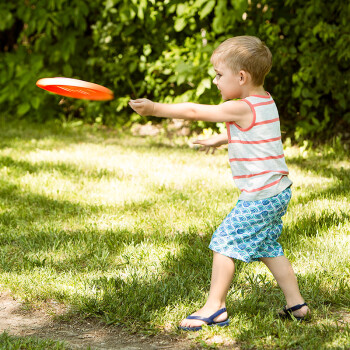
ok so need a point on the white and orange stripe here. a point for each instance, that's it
(256, 152)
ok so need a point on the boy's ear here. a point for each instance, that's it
(243, 77)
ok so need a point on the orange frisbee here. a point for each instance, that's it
(75, 88)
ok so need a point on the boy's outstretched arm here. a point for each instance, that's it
(226, 112)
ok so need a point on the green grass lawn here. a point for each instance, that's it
(8, 342)
(118, 227)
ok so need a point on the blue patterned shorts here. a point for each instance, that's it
(252, 229)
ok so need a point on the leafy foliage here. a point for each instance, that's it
(161, 49)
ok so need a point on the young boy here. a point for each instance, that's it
(250, 232)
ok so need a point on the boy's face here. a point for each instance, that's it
(228, 83)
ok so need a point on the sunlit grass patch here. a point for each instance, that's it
(118, 227)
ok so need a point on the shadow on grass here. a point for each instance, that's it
(33, 226)
(310, 226)
(21, 167)
(23, 208)
(267, 334)
(61, 251)
(320, 167)
(136, 300)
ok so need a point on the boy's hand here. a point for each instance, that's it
(211, 143)
(142, 106)
(207, 149)
(207, 145)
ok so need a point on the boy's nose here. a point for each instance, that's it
(215, 81)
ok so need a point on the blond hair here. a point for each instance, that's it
(246, 53)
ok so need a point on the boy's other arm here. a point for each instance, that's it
(230, 111)
(212, 143)
(215, 141)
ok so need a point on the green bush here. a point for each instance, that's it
(161, 50)
(39, 39)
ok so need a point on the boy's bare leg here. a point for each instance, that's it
(284, 274)
(222, 274)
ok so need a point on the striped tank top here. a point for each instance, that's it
(256, 153)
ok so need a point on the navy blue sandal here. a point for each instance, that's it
(209, 320)
(288, 313)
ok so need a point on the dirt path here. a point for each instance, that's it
(16, 320)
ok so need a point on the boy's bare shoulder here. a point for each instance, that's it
(238, 105)
(238, 109)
